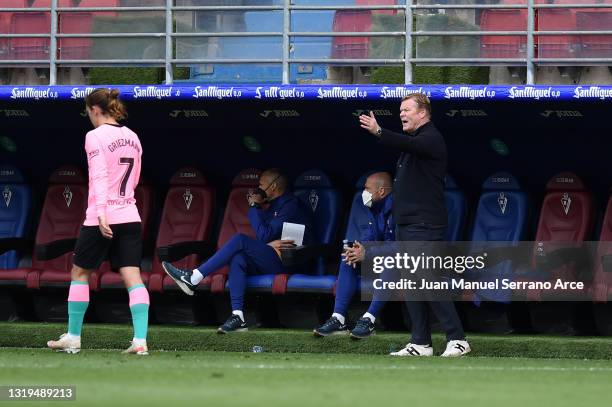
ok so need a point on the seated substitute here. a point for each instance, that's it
(378, 199)
(269, 207)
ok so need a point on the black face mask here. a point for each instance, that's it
(262, 192)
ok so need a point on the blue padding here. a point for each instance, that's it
(307, 282)
(501, 216)
(314, 190)
(449, 182)
(456, 205)
(501, 181)
(10, 175)
(260, 281)
(14, 214)
(312, 179)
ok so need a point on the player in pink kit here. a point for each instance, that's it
(112, 227)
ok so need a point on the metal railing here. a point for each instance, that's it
(409, 34)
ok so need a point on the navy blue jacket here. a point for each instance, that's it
(380, 225)
(268, 223)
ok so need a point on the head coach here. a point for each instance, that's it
(420, 211)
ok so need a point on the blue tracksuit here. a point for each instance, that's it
(247, 256)
(380, 227)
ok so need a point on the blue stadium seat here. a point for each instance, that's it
(456, 205)
(14, 211)
(501, 216)
(317, 193)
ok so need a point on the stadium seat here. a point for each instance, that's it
(594, 46)
(104, 277)
(185, 226)
(557, 46)
(15, 210)
(36, 22)
(5, 25)
(501, 216)
(602, 279)
(351, 21)
(61, 219)
(317, 193)
(496, 46)
(456, 206)
(566, 221)
(80, 22)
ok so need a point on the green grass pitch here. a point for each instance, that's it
(306, 373)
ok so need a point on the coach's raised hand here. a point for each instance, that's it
(369, 123)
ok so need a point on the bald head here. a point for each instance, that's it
(274, 182)
(379, 185)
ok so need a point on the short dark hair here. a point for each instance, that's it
(276, 175)
(421, 100)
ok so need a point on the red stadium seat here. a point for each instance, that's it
(496, 46)
(104, 277)
(235, 219)
(351, 21)
(61, 218)
(602, 279)
(80, 22)
(557, 46)
(5, 24)
(566, 221)
(30, 23)
(595, 46)
(186, 219)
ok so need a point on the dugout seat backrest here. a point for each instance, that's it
(187, 215)
(61, 218)
(316, 193)
(602, 280)
(566, 218)
(502, 210)
(501, 216)
(594, 46)
(5, 24)
(235, 218)
(145, 203)
(557, 46)
(14, 210)
(456, 206)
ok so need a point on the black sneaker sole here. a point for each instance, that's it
(318, 334)
(358, 337)
(223, 332)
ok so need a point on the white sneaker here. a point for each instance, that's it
(137, 349)
(456, 348)
(66, 343)
(414, 350)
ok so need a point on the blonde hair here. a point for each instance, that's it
(108, 101)
(421, 100)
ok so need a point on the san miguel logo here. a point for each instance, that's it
(566, 202)
(502, 201)
(188, 198)
(7, 194)
(67, 196)
(313, 198)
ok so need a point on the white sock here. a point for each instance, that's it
(139, 342)
(196, 277)
(368, 315)
(239, 313)
(340, 317)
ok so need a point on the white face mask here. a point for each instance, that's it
(366, 196)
